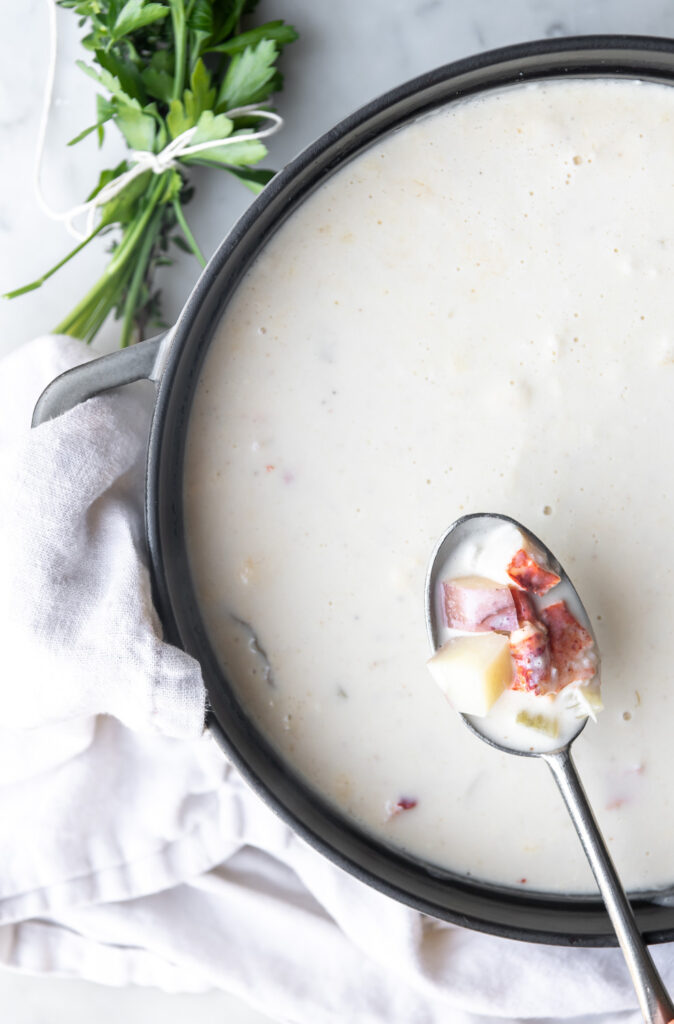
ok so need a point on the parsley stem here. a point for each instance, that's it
(86, 319)
(142, 259)
(45, 277)
(180, 41)
(189, 237)
(92, 317)
(109, 282)
(128, 243)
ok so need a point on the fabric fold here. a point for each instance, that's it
(133, 852)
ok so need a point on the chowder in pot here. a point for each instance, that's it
(456, 297)
(472, 314)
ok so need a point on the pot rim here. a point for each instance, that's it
(540, 917)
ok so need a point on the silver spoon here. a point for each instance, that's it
(654, 1002)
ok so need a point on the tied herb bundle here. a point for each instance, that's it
(178, 73)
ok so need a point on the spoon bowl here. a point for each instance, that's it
(466, 530)
(654, 1002)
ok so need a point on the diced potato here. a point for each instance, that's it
(473, 671)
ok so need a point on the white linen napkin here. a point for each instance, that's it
(132, 852)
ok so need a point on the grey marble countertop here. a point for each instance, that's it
(348, 53)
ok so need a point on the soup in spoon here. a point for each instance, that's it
(513, 646)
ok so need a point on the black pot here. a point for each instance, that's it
(174, 362)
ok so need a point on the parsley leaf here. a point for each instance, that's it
(148, 60)
(251, 76)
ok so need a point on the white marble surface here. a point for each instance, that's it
(348, 53)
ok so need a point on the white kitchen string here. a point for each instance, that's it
(142, 160)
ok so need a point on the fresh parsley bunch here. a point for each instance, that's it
(166, 67)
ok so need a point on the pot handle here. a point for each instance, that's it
(143, 361)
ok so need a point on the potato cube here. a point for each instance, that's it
(473, 671)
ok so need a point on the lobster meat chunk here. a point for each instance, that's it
(574, 659)
(478, 605)
(524, 606)
(532, 664)
(527, 573)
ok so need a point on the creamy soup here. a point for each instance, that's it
(475, 314)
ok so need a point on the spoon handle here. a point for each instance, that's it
(654, 1002)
